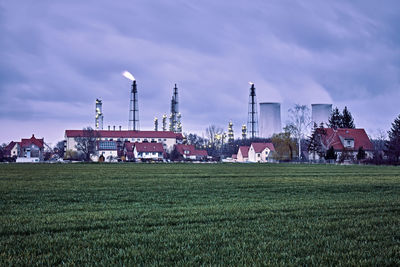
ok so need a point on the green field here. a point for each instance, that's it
(192, 214)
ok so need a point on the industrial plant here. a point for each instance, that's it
(167, 141)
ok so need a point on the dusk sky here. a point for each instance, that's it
(57, 57)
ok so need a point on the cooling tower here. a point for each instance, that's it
(321, 113)
(270, 119)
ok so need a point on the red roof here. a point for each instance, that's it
(127, 134)
(259, 147)
(192, 150)
(149, 147)
(360, 137)
(9, 147)
(32, 140)
(129, 146)
(244, 150)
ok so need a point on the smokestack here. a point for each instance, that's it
(109, 127)
(120, 128)
(252, 121)
(174, 120)
(114, 128)
(134, 109)
(155, 124)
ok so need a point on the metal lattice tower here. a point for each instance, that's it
(252, 121)
(134, 109)
(173, 118)
(98, 122)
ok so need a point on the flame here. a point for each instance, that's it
(251, 83)
(128, 75)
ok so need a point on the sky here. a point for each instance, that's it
(57, 57)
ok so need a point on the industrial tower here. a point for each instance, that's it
(134, 109)
(98, 122)
(156, 124)
(164, 122)
(175, 116)
(252, 121)
(231, 137)
(244, 131)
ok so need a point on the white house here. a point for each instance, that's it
(148, 151)
(243, 154)
(261, 152)
(107, 149)
(30, 150)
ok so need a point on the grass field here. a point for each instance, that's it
(192, 214)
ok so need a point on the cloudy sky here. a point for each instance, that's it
(57, 57)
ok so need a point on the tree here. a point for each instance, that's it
(347, 119)
(197, 141)
(212, 133)
(330, 154)
(299, 122)
(361, 153)
(285, 146)
(314, 142)
(393, 144)
(59, 149)
(86, 144)
(335, 121)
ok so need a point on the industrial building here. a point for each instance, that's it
(270, 119)
(320, 113)
(118, 138)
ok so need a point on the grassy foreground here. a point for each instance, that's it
(187, 214)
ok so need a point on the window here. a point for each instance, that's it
(152, 140)
(159, 139)
(165, 139)
(138, 139)
(154, 153)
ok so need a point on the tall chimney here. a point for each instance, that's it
(109, 127)
(114, 128)
(120, 128)
(134, 109)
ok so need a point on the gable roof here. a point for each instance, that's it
(149, 147)
(9, 147)
(33, 140)
(333, 138)
(181, 148)
(244, 150)
(259, 147)
(126, 134)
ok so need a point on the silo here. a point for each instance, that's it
(320, 113)
(270, 119)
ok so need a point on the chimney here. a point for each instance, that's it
(114, 128)
(109, 127)
(120, 128)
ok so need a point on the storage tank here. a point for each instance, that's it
(270, 119)
(320, 113)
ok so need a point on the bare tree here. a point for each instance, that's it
(212, 133)
(299, 123)
(86, 143)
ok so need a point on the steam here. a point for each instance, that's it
(251, 83)
(128, 75)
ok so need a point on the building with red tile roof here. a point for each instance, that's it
(261, 152)
(167, 138)
(190, 152)
(148, 151)
(243, 154)
(346, 140)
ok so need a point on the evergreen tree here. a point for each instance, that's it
(361, 153)
(347, 120)
(330, 154)
(335, 121)
(393, 144)
(314, 141)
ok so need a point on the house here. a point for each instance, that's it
(260, 152)
(148, 151)
(31, 150)
(128, 151)
(166, 138)
(344, 140)
(243, 154)
(107, 149)
(190, 152)
(12, 150)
